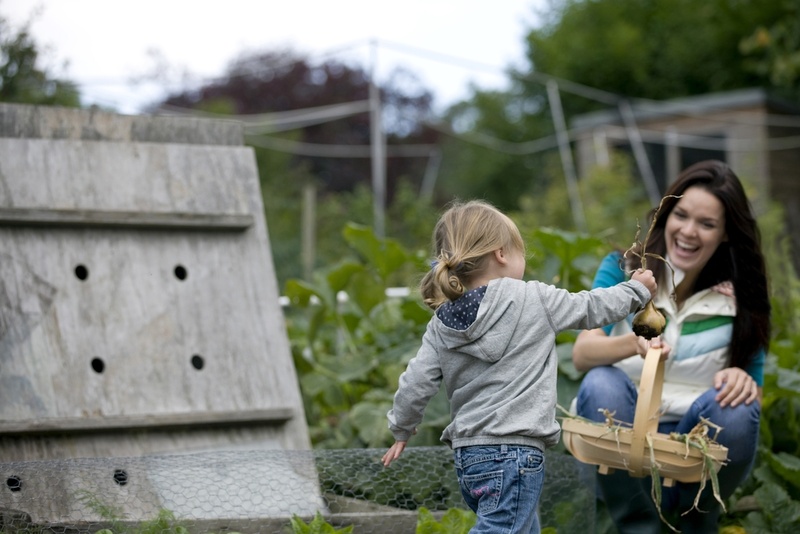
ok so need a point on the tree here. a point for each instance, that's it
(21, 79)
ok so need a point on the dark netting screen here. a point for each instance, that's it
(261, 491)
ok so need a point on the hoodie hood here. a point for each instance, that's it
(467, 324)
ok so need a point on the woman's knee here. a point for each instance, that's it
(605, 387)
(738, 427)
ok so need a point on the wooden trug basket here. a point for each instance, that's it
(626, 448)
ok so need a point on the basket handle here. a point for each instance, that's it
(647, 407)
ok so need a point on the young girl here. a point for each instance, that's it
(492, 342)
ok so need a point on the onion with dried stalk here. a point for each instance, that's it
(648, 322)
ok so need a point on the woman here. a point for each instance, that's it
(718, 329)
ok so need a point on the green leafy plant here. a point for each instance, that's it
(454, 521)
(351, 341)
(318, 525)
(163, 523)
(769, 501)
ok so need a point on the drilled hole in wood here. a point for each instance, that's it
(120, 477)
(98, 365)
(197, 362)
(81, 272)
(14, 483)
(180, 272)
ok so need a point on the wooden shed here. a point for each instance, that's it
(756, 133)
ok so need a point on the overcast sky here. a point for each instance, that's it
(105, 43)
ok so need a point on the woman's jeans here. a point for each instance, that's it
(627, 498)
(502, 484)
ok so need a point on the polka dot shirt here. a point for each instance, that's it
(459, 314)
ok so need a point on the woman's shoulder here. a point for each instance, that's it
(611, 270)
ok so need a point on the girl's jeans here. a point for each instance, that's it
(627, 498)
(502, 484)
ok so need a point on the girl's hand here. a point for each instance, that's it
(646, 277)
(393, 453)
(735, 386)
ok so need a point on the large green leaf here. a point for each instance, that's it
(370, 420)
(786, 466)
(300, 292)
(354, 367)
(454, 521)
(366, 291)
(323, 387)
(457, 521)
(416, 312)
(427, 524)
(781, 513)
(789, 382)
(567, 258)
(339, 277)
(385, 255)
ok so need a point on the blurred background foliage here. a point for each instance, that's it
(351, 341)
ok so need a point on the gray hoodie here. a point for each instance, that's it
(500, 371)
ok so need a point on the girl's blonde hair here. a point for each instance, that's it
(467, 232)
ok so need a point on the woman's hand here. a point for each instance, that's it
(393, 453)
(725, 288)
(643, 345)
(735, 386)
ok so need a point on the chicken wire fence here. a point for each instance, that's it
(261, 491)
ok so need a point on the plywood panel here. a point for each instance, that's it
(137, 288)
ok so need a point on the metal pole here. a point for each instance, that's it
(309, 231)
(639, 154)
(378, 152)
(566, 155)
(431, 173)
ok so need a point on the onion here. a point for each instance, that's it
(649, 322)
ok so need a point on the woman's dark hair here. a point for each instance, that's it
(739, 259)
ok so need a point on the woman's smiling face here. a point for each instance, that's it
(695, 227)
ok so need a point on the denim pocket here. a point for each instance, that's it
(532, 461)
(484, 488)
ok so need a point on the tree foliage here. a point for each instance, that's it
(612, 49)
(773, 50)
(488, 159)
(22, 80)
(657, 49)
(283, 81)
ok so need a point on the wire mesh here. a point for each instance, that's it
(261, 491)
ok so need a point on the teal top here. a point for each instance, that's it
(611, 272)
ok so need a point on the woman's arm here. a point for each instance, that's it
(593, 348)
